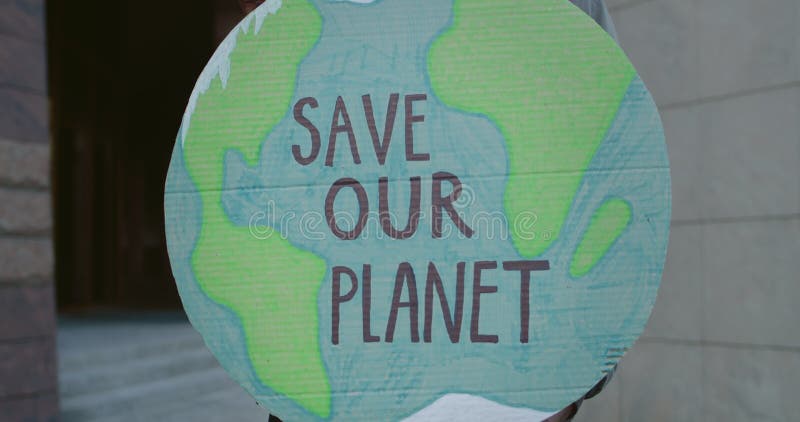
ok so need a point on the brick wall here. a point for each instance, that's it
(28, 367)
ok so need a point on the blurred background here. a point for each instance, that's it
(91, 329)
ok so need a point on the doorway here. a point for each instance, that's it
(120, 77)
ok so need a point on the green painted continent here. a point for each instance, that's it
(249, 275)
(550, 83)
(606, 225)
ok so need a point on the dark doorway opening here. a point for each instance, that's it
(120, 76)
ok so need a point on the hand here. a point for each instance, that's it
(564, 415)
(249, 5)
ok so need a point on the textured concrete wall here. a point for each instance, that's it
(27, 347)
(723, 342)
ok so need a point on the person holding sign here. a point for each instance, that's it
(419, 209)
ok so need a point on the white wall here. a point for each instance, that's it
(723, 342)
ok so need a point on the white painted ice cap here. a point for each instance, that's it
(469, 408)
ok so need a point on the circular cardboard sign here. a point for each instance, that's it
(380, 210)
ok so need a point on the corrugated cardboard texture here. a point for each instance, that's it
(373, 209)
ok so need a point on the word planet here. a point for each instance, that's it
(389, 210)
